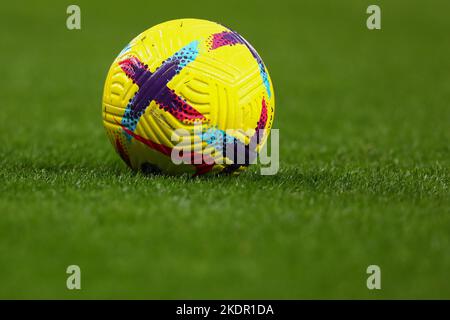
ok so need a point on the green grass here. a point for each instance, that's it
(365, 155)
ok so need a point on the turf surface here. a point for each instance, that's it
(365, 156)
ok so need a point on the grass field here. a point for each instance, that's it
(364, 119)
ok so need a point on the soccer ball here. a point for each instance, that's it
(188, 96)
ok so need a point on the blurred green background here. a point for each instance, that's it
(364, 133)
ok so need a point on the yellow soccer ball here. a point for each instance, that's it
(188, 96)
